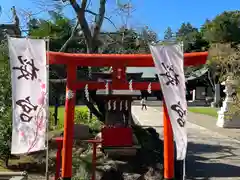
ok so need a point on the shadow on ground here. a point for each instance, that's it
(198, 166)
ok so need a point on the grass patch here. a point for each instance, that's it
(61, 112)
(81, 117)
(2, 168)
(204, 110)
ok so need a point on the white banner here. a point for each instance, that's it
(29, 94)
(169, 62)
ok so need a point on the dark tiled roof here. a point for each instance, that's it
(120, 92)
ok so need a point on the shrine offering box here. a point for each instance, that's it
(117, 136)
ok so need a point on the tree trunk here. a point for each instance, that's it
(92, 43)
(55, 115)
(99, 112)
(91, 107)
(90, 115)
(211, 81)
(7, 159)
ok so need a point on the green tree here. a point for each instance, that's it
(185, 29)
(59, 28)
(168, 34)
(224, 28)
(145, 37)
(192, 39)
(128, 41)
(223, 37)
(5, 88)
(223, 61)
(5, 103)
(192, 42)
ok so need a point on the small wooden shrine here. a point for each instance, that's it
(118, 116)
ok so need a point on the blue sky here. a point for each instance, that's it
(157, 14)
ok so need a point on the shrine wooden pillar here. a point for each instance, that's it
(69, 122)
(168, 148)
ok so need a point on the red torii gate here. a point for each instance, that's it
(118, 62)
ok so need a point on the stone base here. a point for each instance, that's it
(121, 151)
(226, 121)
(197, 103)
(81, 132)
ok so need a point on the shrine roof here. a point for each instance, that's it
(148, 72)
(120, 92)
(196, 74)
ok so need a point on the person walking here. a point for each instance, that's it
(143, 102)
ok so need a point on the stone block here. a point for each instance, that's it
(81, 132)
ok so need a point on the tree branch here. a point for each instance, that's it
(99, 20)
(210, 80)
(91, 106)
(84, 4)
(107, 18)
(93, 110)
(80, 11)
(115, 40)
(15, 26)
(63, 48)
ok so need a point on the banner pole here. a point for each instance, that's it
(184, 161)
(168, 145)
(184, 169)
(47, 113)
